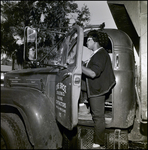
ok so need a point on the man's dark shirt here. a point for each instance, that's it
(101, 64)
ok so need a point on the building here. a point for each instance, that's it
(131, 17)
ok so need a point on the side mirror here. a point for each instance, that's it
(30, 44)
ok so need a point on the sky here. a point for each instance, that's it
(99, 13)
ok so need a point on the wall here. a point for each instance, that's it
(137, 11)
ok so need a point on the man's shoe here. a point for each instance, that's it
(83, 110)
(85, 101)
(97, 146)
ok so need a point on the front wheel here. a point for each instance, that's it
(13, 135)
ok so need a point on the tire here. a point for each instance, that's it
(13, 135)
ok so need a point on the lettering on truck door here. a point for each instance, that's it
(68, 80)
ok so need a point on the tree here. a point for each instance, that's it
(48, 15)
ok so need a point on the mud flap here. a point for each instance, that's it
(69, 139)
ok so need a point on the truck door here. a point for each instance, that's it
(68, 80)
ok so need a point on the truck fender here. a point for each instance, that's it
(38, 113)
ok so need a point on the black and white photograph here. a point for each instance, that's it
(73, 74)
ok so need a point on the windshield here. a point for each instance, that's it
(39, 52)
(64, 52)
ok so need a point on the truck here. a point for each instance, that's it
(40, 103)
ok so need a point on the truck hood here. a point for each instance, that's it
(34, 78)
(34, 71)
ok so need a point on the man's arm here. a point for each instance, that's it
(88, 72)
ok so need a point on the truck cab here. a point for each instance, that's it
(43, 98)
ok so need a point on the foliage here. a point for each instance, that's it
(56, 16)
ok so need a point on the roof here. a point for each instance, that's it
(123, 21)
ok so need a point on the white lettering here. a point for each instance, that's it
(61, 104)
(61, 86)
(60, 93)
(60, 98)
(61, 109)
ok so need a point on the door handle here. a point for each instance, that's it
(117, 61)
(66, 75)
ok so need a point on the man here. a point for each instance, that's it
(31, 53)
(30, 56)
(100, 80)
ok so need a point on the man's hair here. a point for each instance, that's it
(100, 37)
